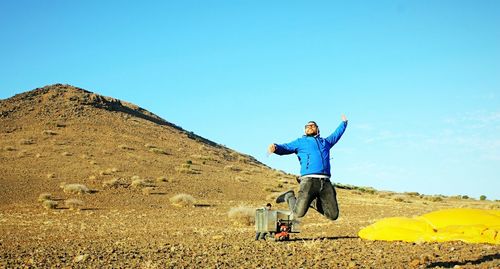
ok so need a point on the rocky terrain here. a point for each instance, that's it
(88, 181)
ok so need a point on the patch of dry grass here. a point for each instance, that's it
(114, 183)
(159, 151)
(162, 179)
(26, 142)
(49, 204)
(182, 200)
(232, 168)
(49, 132)
(75, 188)
(9, 148)
(141, 183)
(44, 196)
(242, 215)
(185, 168)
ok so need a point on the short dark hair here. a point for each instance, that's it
(311, 121)
(268, 204)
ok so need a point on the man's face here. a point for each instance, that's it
(311, 129)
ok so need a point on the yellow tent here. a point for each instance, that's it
(464, 224)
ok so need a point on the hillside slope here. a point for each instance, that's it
(61, 133)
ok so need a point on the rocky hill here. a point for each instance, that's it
(61, 133)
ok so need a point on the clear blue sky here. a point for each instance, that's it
(418, 80)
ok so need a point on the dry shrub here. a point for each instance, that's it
(141, 183)
(241, 179)
(49, 132)
(162, 179)
(26, 142)
(158, 151)
(49, 204)
(74, 203)
(9, 148)
(106, 172)
(232, 168)
(255, 170)
(113, 183)
(270, 189)
(186, 170)
(399, 198)
(51, 175)
(44, 196)
(76, 188)
(182, 200)
(435, 199)
(242, 215)
(150, 146)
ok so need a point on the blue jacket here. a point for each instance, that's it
(313, 151)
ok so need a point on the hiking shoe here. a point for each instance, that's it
(281, 197)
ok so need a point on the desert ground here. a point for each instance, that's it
(88, 181)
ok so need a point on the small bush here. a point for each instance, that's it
(49, 132)
(113, 183)
(49, 204)
(482, 197)
(241, 179)
(182, 200)
(186, 170)
(162, 179)
(9, 148)
(435, 199)
(158, 151)
(242, 215)
(74, 204)
(141, 183)
(76, 189)
(399, 199)
(270, 189)
(149, 146)
(232, 168)
(44, 196)
(26, 142)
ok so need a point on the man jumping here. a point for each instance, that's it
(316, 190)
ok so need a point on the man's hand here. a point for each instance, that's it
(271, 148)
(344, 118)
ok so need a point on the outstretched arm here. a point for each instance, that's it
(283, 149)
(334, 138)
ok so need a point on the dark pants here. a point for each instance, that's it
(317, 193)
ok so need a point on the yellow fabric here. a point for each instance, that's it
(464, 224)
